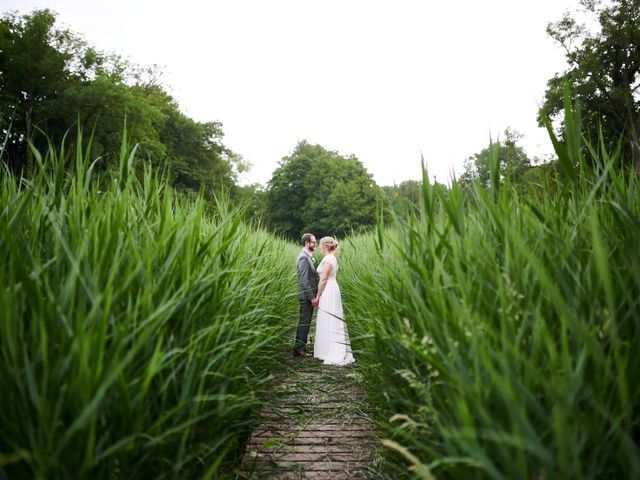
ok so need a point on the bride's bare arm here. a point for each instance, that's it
(323, 279)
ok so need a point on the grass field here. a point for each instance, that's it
(136, 331)
(500, 333)
(497, 332)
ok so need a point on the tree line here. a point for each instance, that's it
(51, 79)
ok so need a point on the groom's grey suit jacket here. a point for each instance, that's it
(307, 277)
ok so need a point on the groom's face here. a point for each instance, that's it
(311, 245)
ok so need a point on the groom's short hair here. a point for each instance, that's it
(306, 238)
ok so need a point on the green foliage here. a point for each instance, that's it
(195, 153)
(405, 196)
(320, 191)
(136, 332)
(50, 78)
(253, 199)
(500, 338)
(540, 181)
(34, 67)
(604, 74)
(512, 161)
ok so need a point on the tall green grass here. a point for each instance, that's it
(136, 331)
(499, 334)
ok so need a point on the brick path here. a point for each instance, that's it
(315, 427)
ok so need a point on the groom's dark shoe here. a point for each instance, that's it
(301, 354)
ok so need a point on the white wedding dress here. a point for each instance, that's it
(332, 338)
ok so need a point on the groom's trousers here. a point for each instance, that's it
(302, 333)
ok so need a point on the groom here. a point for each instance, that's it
(307, 289)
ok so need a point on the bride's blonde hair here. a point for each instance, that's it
(330, 243)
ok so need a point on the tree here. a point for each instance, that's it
(194, 152)
(253, 199)
(320, 191)
(51, 79)
(405, 195)
(104, 102)
(513, 161)
(286, 194)
(34, 68)
(603, 73)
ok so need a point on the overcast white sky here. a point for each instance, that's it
(384, 80)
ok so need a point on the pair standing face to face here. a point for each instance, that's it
(327, 244)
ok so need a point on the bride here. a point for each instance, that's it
(332, 339)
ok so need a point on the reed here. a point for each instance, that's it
(137, 333)
(499, 333)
